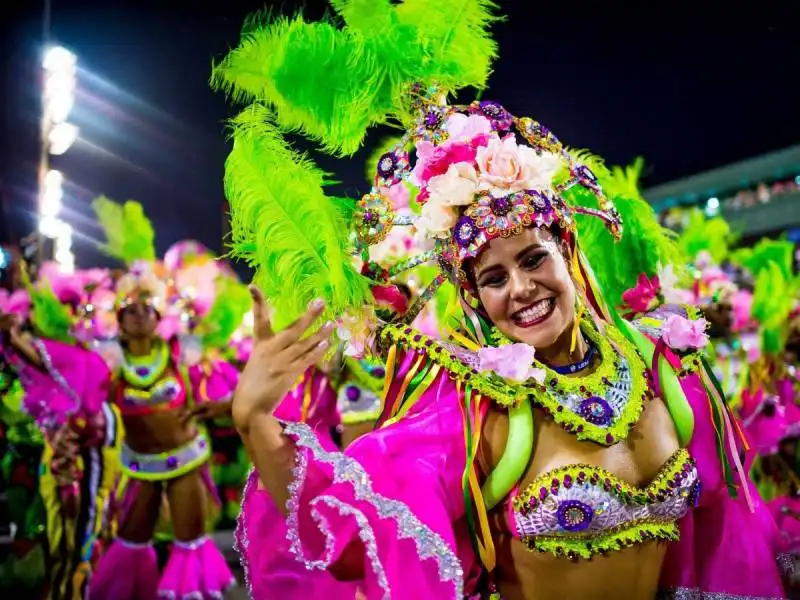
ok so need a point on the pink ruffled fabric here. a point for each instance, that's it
(397, 492)
(195, 570)
(74, 381)
(126, 572)
(724, 548)
(322, 414)
(785, 510)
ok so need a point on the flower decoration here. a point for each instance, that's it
(683, 334)
(511, 361)
(645, 297)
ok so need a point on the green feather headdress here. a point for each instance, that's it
(129, 233)
(329, 81)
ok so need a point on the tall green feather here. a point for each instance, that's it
(644, 244)
(285, 226)
(129, 233)
(332, 83)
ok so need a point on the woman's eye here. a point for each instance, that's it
(532, 261)
(494, 281)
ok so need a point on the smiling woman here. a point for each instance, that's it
(525, 288)
(546, 432)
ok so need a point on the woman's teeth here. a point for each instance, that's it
(535, 312)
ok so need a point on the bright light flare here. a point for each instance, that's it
(58, 58)
(62, 136)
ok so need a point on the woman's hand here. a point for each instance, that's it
(277, 360)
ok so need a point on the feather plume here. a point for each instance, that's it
(285, 226)
(129, 233)
(332, 83)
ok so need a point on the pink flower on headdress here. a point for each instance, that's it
(504, 165)
(512, 361)
(436, 160)
(683, 334)
(465, 128)
(644, 297)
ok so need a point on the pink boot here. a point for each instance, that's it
(127, 571)
(195, 570)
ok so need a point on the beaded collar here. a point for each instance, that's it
(143, 371)
(604, 405)
(617, 388)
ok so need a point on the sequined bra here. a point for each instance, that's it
(578, 511)
(168, 393)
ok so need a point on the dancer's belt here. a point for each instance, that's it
(166, 465)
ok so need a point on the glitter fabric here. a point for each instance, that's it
(347, 470)
(581, 510)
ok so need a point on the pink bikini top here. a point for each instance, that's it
(578, 511)
(139, 394)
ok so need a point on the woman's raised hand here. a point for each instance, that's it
(277, 360)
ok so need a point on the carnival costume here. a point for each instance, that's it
(67, 399)
(410, 499)
(21, 443)
(169, 379)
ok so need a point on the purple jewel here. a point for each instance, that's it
(387, 164)
(465, 231)
(133, 465)
(432, 119)
(202, 443)
(595, 410)
(142, 371)
(492, 109)
(353, 393)
(370, 218)
(501, 206)
(574, 515)
(379, 372)
(542, 493)
(172, 462)
(694, 495)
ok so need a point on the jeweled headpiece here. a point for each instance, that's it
(482, 173)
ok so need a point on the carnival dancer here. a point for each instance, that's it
(163, 451)
(555, 431)
(66, 385)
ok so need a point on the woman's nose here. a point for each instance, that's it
(522, 285)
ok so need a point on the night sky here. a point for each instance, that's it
(689, 86)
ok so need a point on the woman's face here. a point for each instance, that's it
(524, 285)
(139, 320)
